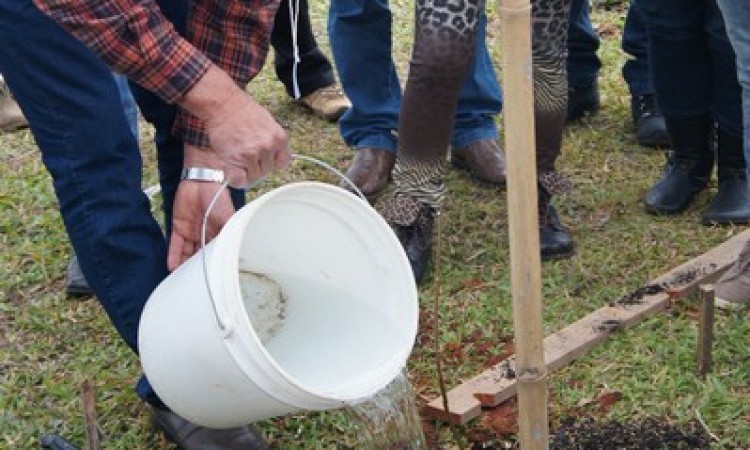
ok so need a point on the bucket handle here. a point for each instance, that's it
(223, 327)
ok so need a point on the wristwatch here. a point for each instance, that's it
(202, 174)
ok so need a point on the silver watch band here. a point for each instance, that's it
(202, 174)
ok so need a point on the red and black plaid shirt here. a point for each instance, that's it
(134, 38)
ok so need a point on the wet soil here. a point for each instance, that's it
(648, 434)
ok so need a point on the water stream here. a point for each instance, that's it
(389, 420)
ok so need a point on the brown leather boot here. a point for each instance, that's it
(484, 159)
(370, 171)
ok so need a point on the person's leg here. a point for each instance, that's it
(651, 131)
(737, 20)
(583, 64)
(360, 35)
(301, 66)
(549, 40)
(680, 62)
(75, 111)
(733, 288)
(441, 59)
(732, 201)
(313, 70)
(474, 142)
(75, 282)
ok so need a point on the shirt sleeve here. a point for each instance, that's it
(235, 36)
(134, 38)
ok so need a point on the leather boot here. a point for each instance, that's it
(732, 201)
(484, 159)
(370, 171)
(554, 240)
(688, 168)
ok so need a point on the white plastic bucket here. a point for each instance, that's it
(342, 329)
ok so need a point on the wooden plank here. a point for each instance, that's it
(498, 383)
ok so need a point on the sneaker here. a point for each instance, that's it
(733, 288)
(328, 102)
(582, 102)
(11, 116)
(650, 127)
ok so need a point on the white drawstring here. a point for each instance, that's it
(294, 21)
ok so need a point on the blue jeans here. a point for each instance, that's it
(128, 102)
(583, 43)
(692, 62)
(737, 19)
(75, 112)
(360, 35)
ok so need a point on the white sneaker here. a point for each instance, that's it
(328, 102)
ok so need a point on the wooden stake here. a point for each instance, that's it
(515, 35)
(89, 413)
(706, 330)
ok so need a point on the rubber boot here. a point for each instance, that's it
(731, 205)
(554, 240)
(688, 168)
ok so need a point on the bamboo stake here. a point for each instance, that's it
(515, 35)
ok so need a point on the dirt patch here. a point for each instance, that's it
(587, 434)
(652, 433)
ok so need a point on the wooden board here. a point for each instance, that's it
(498, 383)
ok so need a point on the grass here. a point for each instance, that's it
(50, 344)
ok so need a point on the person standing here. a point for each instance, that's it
(694, 73)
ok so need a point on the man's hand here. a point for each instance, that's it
(190, 204)
(247, 140)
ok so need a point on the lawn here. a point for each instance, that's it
(50, 344)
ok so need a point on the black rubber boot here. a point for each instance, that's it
(650, 128)
(554, 240)
(731, 205)
(688, 168)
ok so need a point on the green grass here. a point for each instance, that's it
(50, 344)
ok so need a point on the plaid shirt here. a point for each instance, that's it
(134, 38)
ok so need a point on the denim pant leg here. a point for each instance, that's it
(583, 42)
(360, 35)
(480, 98)
(737, 19)
(636, 70)
(128, 102)
(313, 71)
(726, 101)
(75, 112)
